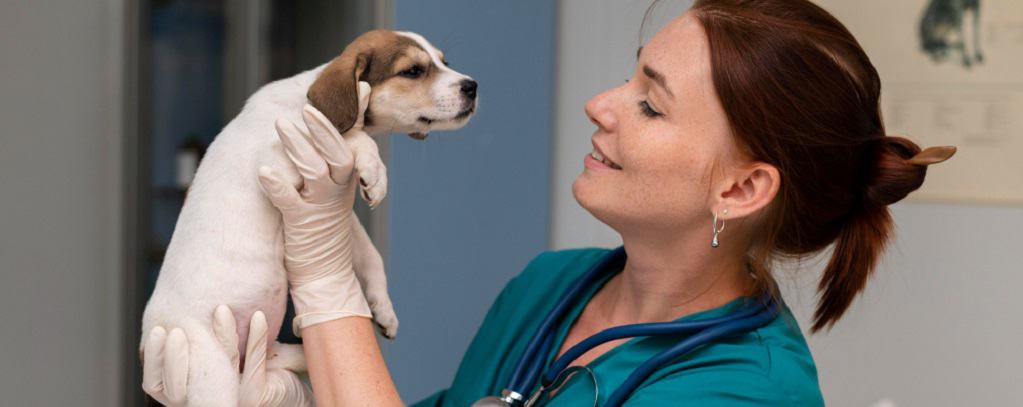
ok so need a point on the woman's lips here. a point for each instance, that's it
(591, 162)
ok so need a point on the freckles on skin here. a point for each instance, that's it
(694, 117)
(669, 181)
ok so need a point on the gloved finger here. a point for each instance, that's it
(254, 376)
(364, 92)
(225, 328)
(175, 374)
(310, 165)
(330, 145)
(280, 193)
(152, 365)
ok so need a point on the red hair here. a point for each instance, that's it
(801, 94)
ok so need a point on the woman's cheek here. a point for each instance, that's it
(674, 185)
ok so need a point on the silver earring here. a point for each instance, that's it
(714, 226)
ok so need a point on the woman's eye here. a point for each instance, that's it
(413, 72)
(647, 110)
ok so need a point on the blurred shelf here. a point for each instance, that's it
(171, 193)
(156, 252)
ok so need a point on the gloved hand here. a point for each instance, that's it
(317, 218)
(263, 383)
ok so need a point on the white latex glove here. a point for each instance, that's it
(165, 369)
(317, 218)
(165, 366)
(263, 384)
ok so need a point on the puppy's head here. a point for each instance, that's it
(414, 90)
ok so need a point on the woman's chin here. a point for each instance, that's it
(581, 191)
(591, 199)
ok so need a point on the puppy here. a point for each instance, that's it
(227, 246)
(941, 30)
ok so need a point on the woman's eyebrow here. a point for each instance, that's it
(658, 78)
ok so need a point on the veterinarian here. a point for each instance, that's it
(762, 116)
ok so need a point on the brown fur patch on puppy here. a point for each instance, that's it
(370, 58)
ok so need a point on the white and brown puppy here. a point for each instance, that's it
(227, 245)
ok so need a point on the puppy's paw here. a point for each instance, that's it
(386, 320)
(286, 356)
(372, 178)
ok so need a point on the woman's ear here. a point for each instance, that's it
(749, 189)
(334, 92)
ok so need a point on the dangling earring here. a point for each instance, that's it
(714, 226)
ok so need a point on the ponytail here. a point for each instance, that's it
(899, 169)
(853, 260)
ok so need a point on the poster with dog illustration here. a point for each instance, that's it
(951, 74)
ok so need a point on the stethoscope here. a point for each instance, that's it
(701, 332)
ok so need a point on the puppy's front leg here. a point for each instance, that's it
(369, 269)
(372, 172)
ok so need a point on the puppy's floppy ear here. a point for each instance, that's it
(335, 93)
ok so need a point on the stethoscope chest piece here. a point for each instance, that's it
(491, 401)
(542, 396)
(508, 399)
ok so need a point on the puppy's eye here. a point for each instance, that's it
(445, 62)
(413, 72)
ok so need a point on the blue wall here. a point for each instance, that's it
(468, 209)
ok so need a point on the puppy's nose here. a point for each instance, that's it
(468, 87)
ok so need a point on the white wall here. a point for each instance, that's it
(940, 325)
(60, 112)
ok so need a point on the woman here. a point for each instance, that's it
(762, 115)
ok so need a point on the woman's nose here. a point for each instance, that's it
(598, 109)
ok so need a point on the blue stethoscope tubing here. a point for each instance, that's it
(528, 367)
(702, 332)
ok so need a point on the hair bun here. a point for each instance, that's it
(900, 168)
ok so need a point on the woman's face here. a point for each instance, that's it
(665, 129)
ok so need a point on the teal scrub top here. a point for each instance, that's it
(770, 366)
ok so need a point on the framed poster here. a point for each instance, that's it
(951, 74)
